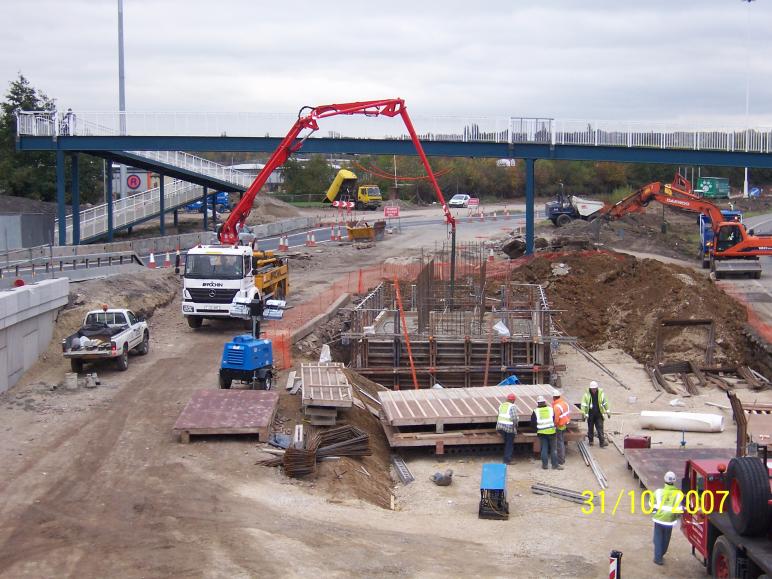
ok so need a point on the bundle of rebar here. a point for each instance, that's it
(590, 461)
(341, 441)
(561, 493)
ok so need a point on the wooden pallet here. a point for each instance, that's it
(325, 385)
(228, 412)
(649, 465)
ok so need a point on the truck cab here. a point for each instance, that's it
(345, 187)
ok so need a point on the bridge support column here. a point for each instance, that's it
(110, 202)
(60, 201)
(529, 202)
(176, 218)
(162, 201)
(75, 193)
(206, 208)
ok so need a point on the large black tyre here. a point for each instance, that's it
(756, 275)
(76, 365)
(144, 347)
(195, 321)
(705, 259)
(748, 484)
(562, 220)
(723, 560)
(225, 383)
(122, 361)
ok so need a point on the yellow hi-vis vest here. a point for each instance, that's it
(504, 417)
(666, 505)
(545, 420)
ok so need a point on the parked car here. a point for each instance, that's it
(459, 200)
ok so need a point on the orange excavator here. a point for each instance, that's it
(734, 249)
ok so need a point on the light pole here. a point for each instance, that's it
(121, 95)
(747, 87)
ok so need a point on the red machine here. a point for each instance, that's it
(727, 515)
(735, 251)
(292, 142)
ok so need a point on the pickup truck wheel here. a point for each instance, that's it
(144, 347)
(122, 361)
(748, 484)
(76, 365)
(723, 560)
(562, 220)
(194, 321)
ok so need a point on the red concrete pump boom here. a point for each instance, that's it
(292, 142)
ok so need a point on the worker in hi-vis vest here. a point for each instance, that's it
(666, 508)
(506, 424)
(543, 418)
(562, 417)
(594, 406)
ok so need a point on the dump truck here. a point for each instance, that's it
(107, 334)
(219, 279)
(345, 187)
(706, 233)
(565, 208)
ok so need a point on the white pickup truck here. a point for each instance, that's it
(107, 334)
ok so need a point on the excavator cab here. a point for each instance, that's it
(729, 235)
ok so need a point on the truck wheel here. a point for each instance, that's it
(562, 220)
(756, 275)
(122, 361)
(195, 321)
(76, 365)
(144, 347)
(225, 383)
(705, 263)
(358, 206)
(723, 560)
(748, 483)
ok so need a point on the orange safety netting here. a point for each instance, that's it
(763, 329)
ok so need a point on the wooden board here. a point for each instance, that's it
(760, 428)
(325, 385)
(650, 464)
(228, 412)
(477, 405)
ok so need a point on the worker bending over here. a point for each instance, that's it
(562, 417)
(594, 407)
(543, 418)
(506, 424)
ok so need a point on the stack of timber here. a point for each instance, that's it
(325, 391)
(461, 416)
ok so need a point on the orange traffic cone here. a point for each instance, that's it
(167, 260)
(151, 263)
(493, 216)
(283, 243)
(482, 215)
(313, 240)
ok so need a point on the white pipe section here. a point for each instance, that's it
(685, 421)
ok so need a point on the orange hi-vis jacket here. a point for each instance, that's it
(562, 413)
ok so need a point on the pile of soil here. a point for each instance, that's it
(14, 205)
(267, 209)
(615, 300)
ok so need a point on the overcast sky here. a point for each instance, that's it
(575, 59)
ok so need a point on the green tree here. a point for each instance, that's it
(312, 177)
(33, 173)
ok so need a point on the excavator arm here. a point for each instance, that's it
(308, 118)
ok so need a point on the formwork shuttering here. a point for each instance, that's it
(451, 335)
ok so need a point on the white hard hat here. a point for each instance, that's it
(670, 477)
(540, 399)
(556, 393)
(593, 384)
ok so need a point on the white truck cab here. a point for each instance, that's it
(214, 276)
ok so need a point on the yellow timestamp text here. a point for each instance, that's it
(693, 502)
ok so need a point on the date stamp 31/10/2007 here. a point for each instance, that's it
(692, 502)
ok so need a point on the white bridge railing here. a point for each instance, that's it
(515, 130)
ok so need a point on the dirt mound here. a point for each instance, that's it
(142, 292)
(15, 205)
(610, 299)
(267, 209)
(641, 232)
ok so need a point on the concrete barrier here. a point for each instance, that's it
(27, 316)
